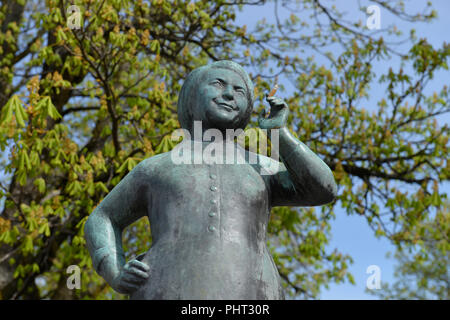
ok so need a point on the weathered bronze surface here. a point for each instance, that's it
(208, 218)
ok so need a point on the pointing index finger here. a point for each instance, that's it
(275, 88)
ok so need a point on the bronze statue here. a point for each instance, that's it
(208, 219)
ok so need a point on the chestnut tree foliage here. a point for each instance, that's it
(79, 108)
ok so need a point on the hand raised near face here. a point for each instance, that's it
(133, 274)
(278, 116)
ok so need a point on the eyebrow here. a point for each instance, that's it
(220, 79)
(223, 81)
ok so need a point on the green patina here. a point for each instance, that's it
(208, 220)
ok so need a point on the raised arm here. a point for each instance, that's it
(103, 232)
(303, 179)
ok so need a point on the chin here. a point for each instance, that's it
(221, 121)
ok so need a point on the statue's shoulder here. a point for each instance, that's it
(154, 163)
(265, 165)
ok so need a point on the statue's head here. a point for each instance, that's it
(219, 94)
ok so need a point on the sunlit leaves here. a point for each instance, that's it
(40, 184)
(46, 108)
(14, 106)
(422, 268)
(165, 145)
(128, 165)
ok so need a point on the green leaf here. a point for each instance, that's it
(35, 268)
(45, 229)
(22, 177)
(101, 186)
(6, 115)
(435, 199)
(47, 108)
(40, 183)
(130, 163)
(165, 146)
(24, 161)
(28, 244)
(14, 105)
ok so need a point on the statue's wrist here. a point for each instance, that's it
(111, 273)
(108, 266)
(281, 130)
(114, 282)
(281, 133)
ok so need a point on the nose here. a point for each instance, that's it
(228, 93)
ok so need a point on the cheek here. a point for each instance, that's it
(210, 92)
(242, 103)
(204, 97)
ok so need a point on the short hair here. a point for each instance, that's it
(185, 105)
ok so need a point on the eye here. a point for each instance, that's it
(241, 91)
(217, 83)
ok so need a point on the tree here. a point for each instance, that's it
(422, 270)
(81, 107)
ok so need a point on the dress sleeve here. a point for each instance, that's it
(300, 179)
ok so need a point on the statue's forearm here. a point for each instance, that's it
(306, 169)
(104, 242)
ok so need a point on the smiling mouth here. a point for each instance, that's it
(226, 106)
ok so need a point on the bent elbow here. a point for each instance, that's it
(325, 185)
(96, 220)
(330, 192)
(330, 187)
(327, 192)
(89, 228)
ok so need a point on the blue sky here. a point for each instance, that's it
(351, 234)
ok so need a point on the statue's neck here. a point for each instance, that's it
(206, 142)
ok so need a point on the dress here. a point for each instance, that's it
(208, 225)
(208, 220)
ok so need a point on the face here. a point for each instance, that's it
(221, 99)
